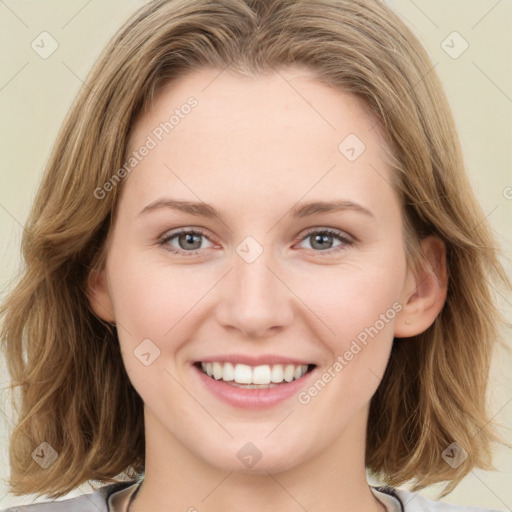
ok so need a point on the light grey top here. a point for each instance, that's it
(114, 498)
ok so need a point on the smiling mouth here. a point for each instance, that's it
(254, 377)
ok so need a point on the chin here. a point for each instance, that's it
(253, 458)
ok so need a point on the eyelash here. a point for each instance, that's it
(346, 240)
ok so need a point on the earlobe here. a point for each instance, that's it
(425, 291)
(99, 297)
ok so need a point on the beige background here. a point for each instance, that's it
(35, 94)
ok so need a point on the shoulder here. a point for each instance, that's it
(92, 502)
(413, 502)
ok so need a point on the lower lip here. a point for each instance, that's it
(252, 398)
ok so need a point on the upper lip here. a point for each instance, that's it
(267, 359)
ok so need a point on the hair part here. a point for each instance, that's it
(66, 362)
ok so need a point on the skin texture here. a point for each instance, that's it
(253, 148)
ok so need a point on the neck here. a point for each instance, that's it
(332, 480)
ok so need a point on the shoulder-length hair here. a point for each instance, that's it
(65, 362)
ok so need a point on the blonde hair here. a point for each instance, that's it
(65, 362)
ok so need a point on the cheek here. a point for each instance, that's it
(153, 304)
(359, 304)
(358, 355)
(355, 296)
(151, 297)
(152, 312)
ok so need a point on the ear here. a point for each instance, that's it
(424, 292)
(99, 297)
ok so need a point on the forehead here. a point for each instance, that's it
(291, 98)
(283, 132)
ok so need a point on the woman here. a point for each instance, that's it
(334, 312)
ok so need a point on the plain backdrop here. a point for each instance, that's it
(474, 65)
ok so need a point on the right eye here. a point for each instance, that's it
(185, 239)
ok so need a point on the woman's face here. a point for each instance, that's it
(257, 236)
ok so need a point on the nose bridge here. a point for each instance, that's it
(257, 300)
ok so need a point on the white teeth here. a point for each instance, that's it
(243, 374)
(258, 375)
(207, 368)
(277, 373)
(261, 375)
(300, 371)
(217, 371)
(228, 372)
(289, 371)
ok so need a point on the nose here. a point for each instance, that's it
(256, 299)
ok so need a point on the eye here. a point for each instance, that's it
(189, 241)
(322, 240)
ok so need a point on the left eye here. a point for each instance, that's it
(321, 239)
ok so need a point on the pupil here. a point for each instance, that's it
(320, 238)
(189, 238)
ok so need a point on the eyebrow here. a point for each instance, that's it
(300, 210)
